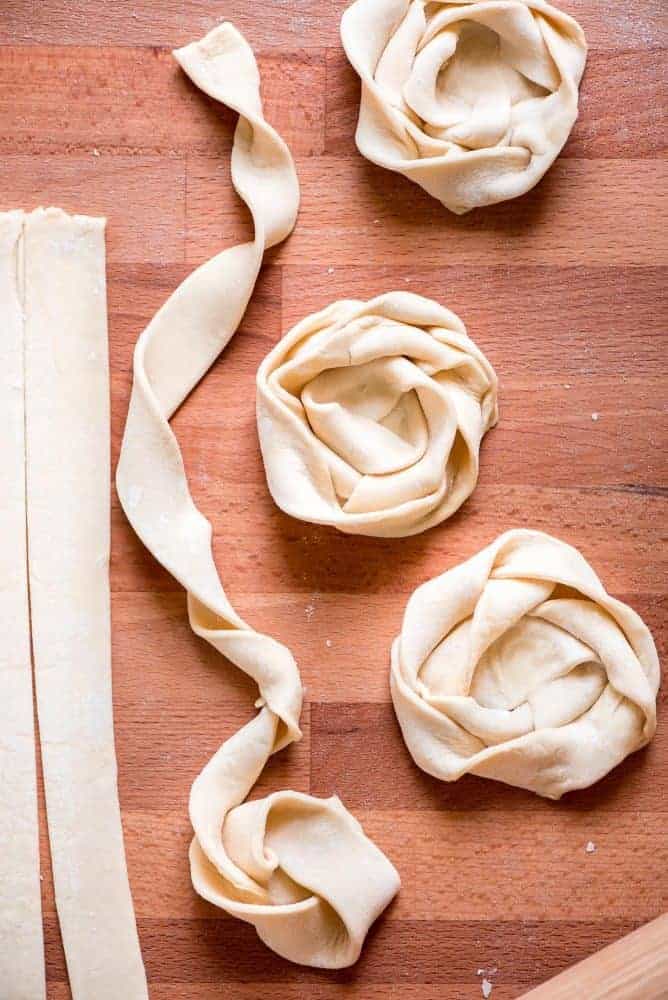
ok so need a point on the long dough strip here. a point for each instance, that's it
(21, 947)
(67, 449)
(299, 868)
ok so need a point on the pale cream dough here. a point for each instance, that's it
(471, 100)
(60, 335)
(370, 415)
(517, 665)
(21, 946)
(298, 868)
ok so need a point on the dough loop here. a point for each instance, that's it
(370, 415)
(300, 869)
(472, 100)
(517, 665)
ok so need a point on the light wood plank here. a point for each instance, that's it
(143, 198)
(289, 23)
(66, 99)
(620, 115)
(347, 740)
(583, 212)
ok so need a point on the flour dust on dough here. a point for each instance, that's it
(517, 665)
(299, 868)
(471, 100)
(371, 414)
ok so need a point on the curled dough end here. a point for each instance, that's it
(517, 665)
(299, 868)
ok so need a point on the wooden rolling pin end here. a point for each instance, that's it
(633, 968)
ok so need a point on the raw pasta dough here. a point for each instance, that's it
(370, 415)
(299, 868)
(472, 100)
(60, 336)
(517, 665)
(21, 947)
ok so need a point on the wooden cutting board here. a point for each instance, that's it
(564, 291)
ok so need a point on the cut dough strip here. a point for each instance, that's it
(299, 869)
(63, 337)
(21, 946)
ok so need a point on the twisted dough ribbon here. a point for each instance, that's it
(299, 868)
(370, 415)
(471, 100)
(517, 665)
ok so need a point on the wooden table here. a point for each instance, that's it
(562, 289)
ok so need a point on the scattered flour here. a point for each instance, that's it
(135, 496)
(486, 985)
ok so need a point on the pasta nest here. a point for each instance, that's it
(371, 414)
(517, 665)
(471, 100)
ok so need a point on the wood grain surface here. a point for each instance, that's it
(564, 290)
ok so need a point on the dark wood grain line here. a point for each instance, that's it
(641, 489)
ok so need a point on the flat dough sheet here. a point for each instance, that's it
(67, 488)
(21, 947)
